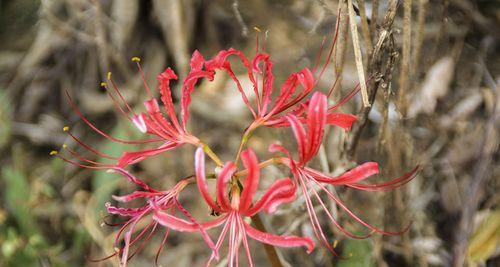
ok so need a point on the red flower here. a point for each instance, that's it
(155, 201)
(239, 206)
(167, 129)
(308, 143)
(269, 113)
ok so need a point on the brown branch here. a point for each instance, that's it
(404, 76)
(365, 28)
(357, 54)
(270, 250)
(481, 173)
(239, 18)
(375, 67)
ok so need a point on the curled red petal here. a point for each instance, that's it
(201, 181)
(300, 136)
(344, 121)
(268, 79)
(387, 186)
(133, 157)
(279, 241)
(316, 119)
(135, 195)
(222, 181)
(352, 176)
(174, 223)
(197, 61)
(187, 90)
(281, 191)
(166, 93)
(133, 179)
(126, 212)
(251, 182)
(139, 123)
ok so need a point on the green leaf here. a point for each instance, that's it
(5, 118)
(16, 198)
(104, 183)
(485, 239)
(358, 253)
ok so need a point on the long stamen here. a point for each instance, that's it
(313, 217)
(82, 158)
(335, 222)
(346, 98)
(89, 148)
(137, 60)
(222, 236)
(103, 259)
(245, 241)
(117, 90)
(143, 241)
(162, 245)
(355, 217)
(93, 127)
(257, 29)
(330, 92)
(318, 57)
(115, 101)
(334, 41)
(100, 167)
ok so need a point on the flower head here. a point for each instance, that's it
(234, 203)
(240, 205)
(308, 142)
(165, 201)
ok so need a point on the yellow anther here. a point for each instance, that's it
(103, 84)
(350, 254)
(136, 59)
(335, 243)
(65, 146)
(109, 75)
(257, 29)
(65, 128)
(53, 153)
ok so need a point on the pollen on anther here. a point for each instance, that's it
(65, 146)
(65, 128)
(109, 75)
(53, 153)
(103, 84)
(335, 243)
(257, 29)
(136, 59)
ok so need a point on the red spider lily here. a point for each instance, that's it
(156, 201)
(290, 96)
(308, 143)
(166, 128)
(234, 209)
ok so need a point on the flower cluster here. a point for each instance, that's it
(298, 105)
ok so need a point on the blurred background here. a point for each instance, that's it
(434, 71)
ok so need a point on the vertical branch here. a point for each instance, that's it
(270, 250)
(419, 37)
(404, 76)
(374, 19)
(357, 54)
(100, 37)
(383, 47)
(239, 18)
(340, 46)
(365, 28)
